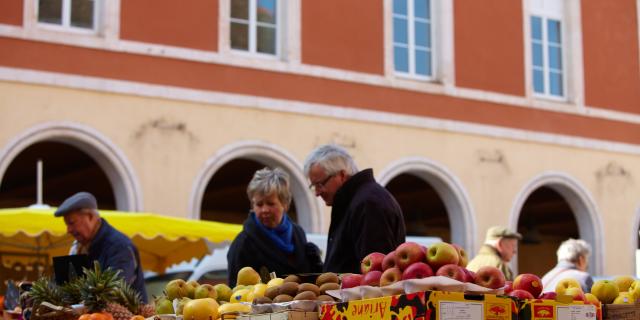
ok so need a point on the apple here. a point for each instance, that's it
(508, 286)
(623, 282)
(634, 290)
(605, 290)
(624, 298)
(576, 293)
(389, 276)
(177, 288)
(205, 291)
(521, 294)
(470, 276)
(417, 270)
(549, 295)
(408, 253)
(373, 261)
(372, 278)
(463, 257)
(490, 277)
(389, 260)
(452, 271)
(565, 284)
(529, 282)
(591, 299)
(351, 280)
(442, 253)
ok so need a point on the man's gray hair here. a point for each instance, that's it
(266, 182)
(571, 250)
(332, 159)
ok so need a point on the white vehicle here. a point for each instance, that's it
(213, 268)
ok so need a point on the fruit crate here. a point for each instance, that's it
(459, 305)
(404, 306)
(621, 312)
(283, 315)
(540, 309)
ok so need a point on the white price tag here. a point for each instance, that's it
(576, 312)
(451, 310)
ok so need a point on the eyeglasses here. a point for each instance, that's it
(321, 184)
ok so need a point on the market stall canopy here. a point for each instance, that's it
(161, 240)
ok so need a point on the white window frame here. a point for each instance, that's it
(568, 13)
(411, 46)
(281, 16)
(66, 18)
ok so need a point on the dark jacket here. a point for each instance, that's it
(111, 248)
(253, 248)
(365, 218)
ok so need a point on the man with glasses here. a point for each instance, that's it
(365, 217)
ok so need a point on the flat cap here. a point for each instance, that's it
(497, 232)
(78, 201)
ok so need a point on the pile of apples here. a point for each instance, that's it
(411, 260)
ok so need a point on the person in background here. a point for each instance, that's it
(365, 217)
(270, 241)
(500, 246)
(95, 237)
(573, 260)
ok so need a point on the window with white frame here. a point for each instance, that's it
(255, 26)
(412, 24)
(71, 14)
(546, 36)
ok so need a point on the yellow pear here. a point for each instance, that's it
(248, 276)
(223, 291)
(257, 292)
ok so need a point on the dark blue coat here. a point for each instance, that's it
(111, 248)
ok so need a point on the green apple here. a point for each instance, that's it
(605, 290)
(192, 285)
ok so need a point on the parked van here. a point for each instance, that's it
(212, 268)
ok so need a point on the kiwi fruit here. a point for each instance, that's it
(262, 300)
(288, 288)
(292, 278)
(305, 295)
(324, 297)
(272, 292)
(328, 286)
(282, 298)
(327, 277)
(309, 287)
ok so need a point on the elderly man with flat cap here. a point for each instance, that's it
(95, 237)
(500, 245)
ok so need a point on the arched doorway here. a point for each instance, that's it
(86, 146)
(225, 198)
(546, 220)
(445, 194)
(251, 155)
(66, 170)
(424, 212)
(556, 192)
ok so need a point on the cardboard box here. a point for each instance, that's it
(621, 311)
(457, 305)
(282, 315)
(404, 306)
(555, 310)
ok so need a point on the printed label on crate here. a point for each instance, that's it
(577, 312)
(544, 312)
(409, 306)
(452, 310)
(497, 311)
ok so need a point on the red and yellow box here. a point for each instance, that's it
(401, 307)
(458, 305)
(555, 310)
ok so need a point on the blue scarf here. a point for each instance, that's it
(282, 235)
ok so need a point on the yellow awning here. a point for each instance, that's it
(161, 240)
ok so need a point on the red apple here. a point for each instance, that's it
(452, 271)
(576, 293)
(550, 295)
(529, 282)
(408, 253)
(463, 258)
(373, 261)
(389, 276)
(372, 278)
(442, 253)
(351, 280)
(508, 286)
(490, 277)
(417, 270)
(389, 261)
(521, 294)
(470, 276)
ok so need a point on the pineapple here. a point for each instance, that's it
(127, 296)
(71, 291)
(45, 290)
(147, 310)
(99, 287)
(118, 311)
